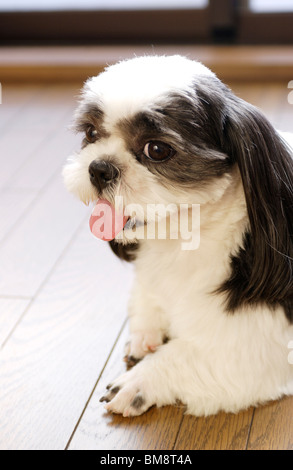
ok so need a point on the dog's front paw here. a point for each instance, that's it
(128, 395)
(142, 343)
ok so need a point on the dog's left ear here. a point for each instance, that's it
(266, 167)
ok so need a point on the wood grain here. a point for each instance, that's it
(272, 427)
(157, 429)
(51, 363)
(221, 432)
(14, 203)
(35, 138)
(14, 100)
(38, 239)
(11, 311)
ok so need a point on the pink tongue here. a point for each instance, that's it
(105, 222)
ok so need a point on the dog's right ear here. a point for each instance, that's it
(266, 167)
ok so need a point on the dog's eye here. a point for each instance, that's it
(91, 134)
(158, 151)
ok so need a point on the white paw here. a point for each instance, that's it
(128, 395)
(141, 343)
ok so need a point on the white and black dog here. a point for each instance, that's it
(210, 327)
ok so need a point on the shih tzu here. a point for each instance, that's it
(210, 325)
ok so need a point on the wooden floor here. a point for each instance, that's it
(63, 301)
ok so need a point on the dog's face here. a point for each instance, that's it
(147, 136)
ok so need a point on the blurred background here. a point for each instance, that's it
(63, 294)
(103, 31)
(100, 21)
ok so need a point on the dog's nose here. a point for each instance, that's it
(102, 173)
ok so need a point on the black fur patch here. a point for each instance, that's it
(89, 114)
(262, 272)
(124, 252)
(138, 402)
(178, 120)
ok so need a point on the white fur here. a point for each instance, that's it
(213, 361)
(140, 83)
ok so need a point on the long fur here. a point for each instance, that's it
(226, 307)
(263, 269)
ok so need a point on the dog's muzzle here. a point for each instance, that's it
(102, 174)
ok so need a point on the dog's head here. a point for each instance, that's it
(148, 135)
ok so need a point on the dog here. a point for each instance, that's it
(210, 325)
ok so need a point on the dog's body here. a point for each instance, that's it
(167, 131)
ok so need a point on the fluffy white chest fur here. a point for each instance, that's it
(210, 326)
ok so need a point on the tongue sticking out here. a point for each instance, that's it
(105, 222)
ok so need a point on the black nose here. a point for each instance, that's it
(102, 173)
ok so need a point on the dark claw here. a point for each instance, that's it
(165, 339)
(109, 396)
(104, 398)
(131, 361)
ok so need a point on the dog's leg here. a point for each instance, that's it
(173, 373)
(148, 326)
(205, 381)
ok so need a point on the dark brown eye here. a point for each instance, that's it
(158, 151)
(91, 134)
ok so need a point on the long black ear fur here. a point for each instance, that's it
(263, 269)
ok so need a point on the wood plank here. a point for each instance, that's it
(46, 160)
(11, 311)
(14, 99)
(52, 361)
(48, 105)
(28, 137)
(38, 239)
(272, 427)
(224, 431)
(98, 430)
(13, 204)
(15, 151)
(23, 187)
